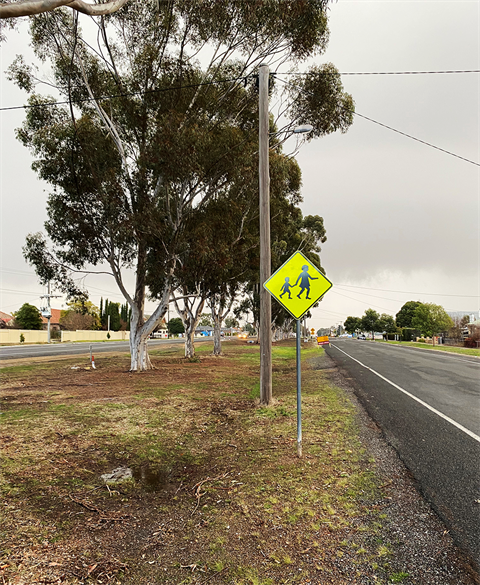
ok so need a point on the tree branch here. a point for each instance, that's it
(32, 7)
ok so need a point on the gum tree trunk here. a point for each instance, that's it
(189, 342)
(140, 329)
(217, 334)
(190, 319)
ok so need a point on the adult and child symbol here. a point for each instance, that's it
(304, 280)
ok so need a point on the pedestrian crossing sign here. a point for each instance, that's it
(297, 285)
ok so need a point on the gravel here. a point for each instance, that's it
(423, 545)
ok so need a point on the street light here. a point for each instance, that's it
(265, 255)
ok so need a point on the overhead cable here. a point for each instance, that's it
(243, 79)
(408, 292)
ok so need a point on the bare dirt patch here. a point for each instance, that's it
(217, 494)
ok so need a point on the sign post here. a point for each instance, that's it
(299, 391)
(297, 285)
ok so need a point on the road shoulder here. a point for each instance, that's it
(423, 542)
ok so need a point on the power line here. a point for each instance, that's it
(16, 291)
(374, 296)
(411, 137)
(125, 94)
(394, 72)
(17, 272)
(408, 292)
(417, 139)
(360, 300)
(244, 79)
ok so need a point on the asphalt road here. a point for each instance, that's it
(428, 406)
(78, 348)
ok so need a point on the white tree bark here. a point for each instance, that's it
(32, 7)
(190, 317)
(219, 312)
(140, 333)
(217, 333)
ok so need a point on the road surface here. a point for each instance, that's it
(428, 406)
(78, 348)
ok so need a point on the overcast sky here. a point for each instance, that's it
(402, 218)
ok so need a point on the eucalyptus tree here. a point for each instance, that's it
(155, 120)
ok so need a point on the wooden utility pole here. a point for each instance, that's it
(265, 254)
(46, 311)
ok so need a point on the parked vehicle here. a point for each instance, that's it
(362, 336)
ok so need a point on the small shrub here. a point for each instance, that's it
(22, 338)
(422, 340)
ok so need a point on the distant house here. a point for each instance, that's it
(54, 320)
(473, 327)
(6, 320)
(204, 331)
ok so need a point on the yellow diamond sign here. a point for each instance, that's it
(297, 285)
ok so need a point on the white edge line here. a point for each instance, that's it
(437, 412)
(469, 359)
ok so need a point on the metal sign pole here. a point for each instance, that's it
(299, 391)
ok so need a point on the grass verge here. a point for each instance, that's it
(445, 348)
(216, 493)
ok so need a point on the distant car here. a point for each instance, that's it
(362, 336)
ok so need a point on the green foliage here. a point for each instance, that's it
(352, 324)
(28, 317)
(125, 316)
(409, 333)
(387, 324)
(132, 177)
(81, 314)
(370, 321)
(111, 310)
(404, 317)
(231, 322)
(431, 319)
(319, 99)
(175, 326)
(205, 320)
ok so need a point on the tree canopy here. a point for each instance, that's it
(175, 326)
(370, 321)
(352, 324)
(149, 137)
(404, 317)
(28, 317)
(431, 319)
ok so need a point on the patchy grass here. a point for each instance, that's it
(445, 348)
(217, 492)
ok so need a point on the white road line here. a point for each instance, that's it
(437, 412)
(436, 353)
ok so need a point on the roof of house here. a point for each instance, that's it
(5, 317)
(55, 316)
